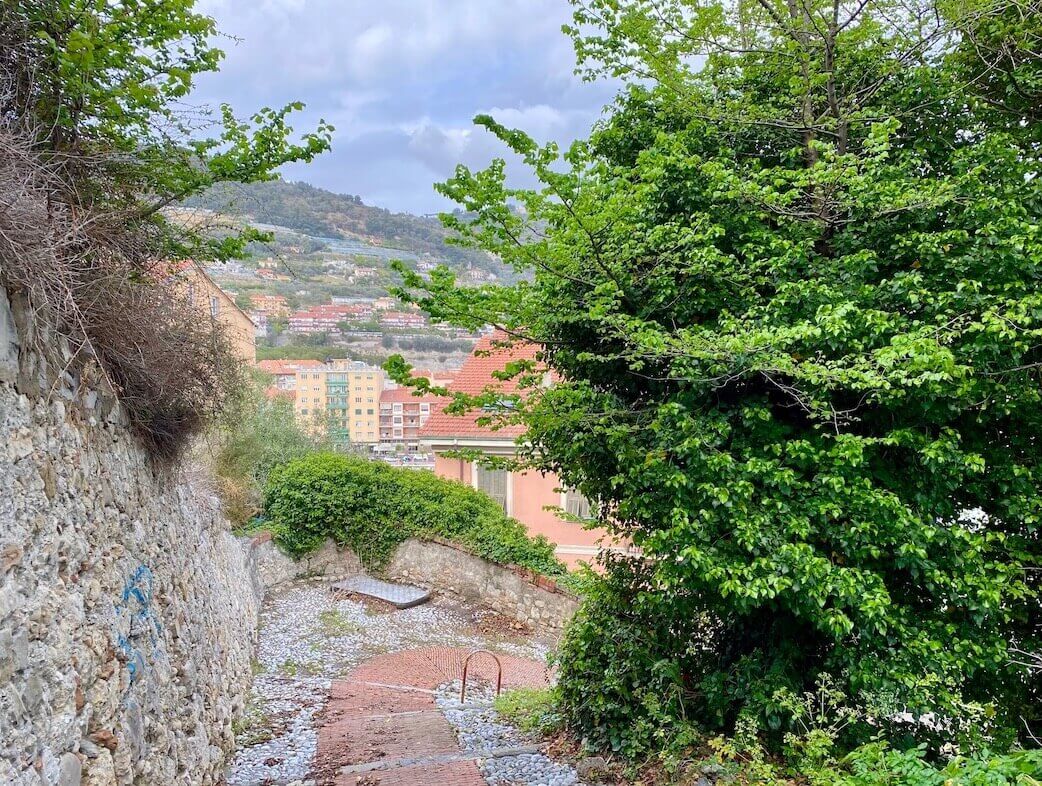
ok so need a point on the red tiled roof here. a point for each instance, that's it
(274, 393)
(442, 376)
(473, 379)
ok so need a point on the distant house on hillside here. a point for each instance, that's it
(327, 318)
(274, 305)
(402, 319)
(523, 495)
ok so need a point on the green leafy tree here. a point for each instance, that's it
(105, 88)
(790, 288)
(255, 435)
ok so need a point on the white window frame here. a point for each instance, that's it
(565, 493)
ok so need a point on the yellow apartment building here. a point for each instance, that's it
(343, 396)
(204, 295)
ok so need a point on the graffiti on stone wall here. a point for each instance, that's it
(137, 629)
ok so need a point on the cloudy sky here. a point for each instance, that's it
(401, 80)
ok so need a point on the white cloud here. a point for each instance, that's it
(401, 80)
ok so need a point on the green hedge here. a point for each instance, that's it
(372, 507)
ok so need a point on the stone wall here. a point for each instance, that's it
(127, 609)
(512, 591)
(435, 565)
(271, 567)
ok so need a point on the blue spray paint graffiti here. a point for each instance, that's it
(136, 600)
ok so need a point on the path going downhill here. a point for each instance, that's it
(354, 693)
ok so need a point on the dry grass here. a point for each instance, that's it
(91, 277)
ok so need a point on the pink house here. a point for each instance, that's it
(523, 495)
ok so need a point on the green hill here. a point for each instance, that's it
(324, 214)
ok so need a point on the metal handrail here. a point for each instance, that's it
(466, 664)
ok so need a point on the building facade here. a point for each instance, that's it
(273, 305)
(342, 396)
(285, 371)
(212, 302)
(402, 415)
(533, 498)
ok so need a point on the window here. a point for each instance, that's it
(396, 408)
(358, 411)
(575, 504)
(358, 399)
(493, 482)
(369, 412)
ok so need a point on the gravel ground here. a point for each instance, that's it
(305, 630)
(307, 638)
(284, 741)
(480, 729)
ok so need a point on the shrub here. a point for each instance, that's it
(254, 436)
(372, 508)
(878, 765)
(619, 689)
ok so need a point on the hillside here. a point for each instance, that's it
(324, 214)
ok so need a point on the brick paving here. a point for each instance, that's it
(380, 726)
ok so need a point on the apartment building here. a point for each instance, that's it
(273, 305)
(402, 319)
(327, 318)
(402, 414)
(343, 396)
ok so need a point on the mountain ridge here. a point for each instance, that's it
(320, 213)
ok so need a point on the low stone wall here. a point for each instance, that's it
(433, 564)
(270, 566)
(516, 592)
(127, 619)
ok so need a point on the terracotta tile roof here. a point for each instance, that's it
(442, 377)
(273, 393)
(473, 379)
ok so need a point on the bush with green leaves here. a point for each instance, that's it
(371, 508)
(790, 293)
(879, 765)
